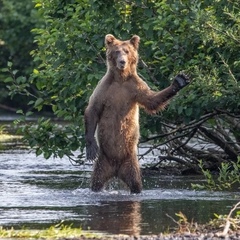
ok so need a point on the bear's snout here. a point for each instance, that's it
(121, 62)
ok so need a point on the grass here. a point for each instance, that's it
(7, 137)
(53, 232)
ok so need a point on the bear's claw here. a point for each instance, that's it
(181, 80)
(92, 150)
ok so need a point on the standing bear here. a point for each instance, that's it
(113, 113)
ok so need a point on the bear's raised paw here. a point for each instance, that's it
(181, 80)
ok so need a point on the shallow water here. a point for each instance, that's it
(36, 193)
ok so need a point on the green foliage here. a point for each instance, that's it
(199, 37)
(227, 178)
(16, 20)
(16, 84)
(52, 139)
(16, 41)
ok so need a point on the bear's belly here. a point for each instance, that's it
(118, 137)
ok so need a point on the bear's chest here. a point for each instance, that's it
(119, 97)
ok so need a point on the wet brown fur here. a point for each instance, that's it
(113, 110)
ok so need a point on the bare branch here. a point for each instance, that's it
(192, 124)
(228, 221)
(192, 133)
(220, 142)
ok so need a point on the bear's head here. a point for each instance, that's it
(122, 55)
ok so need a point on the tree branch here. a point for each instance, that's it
(220, 142)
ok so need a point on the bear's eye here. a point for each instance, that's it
(126, 51)
(117, 51)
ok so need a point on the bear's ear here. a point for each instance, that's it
(135, 41)
(109, 39)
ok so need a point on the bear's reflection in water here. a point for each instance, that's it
(117, 217)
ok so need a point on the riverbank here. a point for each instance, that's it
(223, 227)
(34, 234)
(199, 236)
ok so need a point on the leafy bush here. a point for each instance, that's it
(199, 37)
(228, 177)
(16, 41)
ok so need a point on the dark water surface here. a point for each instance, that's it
(37, 193)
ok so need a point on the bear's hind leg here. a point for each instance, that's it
(101, 174)
(130, 174)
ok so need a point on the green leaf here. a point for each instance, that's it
(21, 80)
(38, 102)
(38, 152)
(38, 5)
(14, 72)
(54, 108)
(4, 70)
(29, 113)
(19, 111)
(35, 71)
(9, 64)
(188, 111)
(47, 154)
(8, 80)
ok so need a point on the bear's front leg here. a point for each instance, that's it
(91, 120)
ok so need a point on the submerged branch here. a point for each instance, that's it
(5, 107)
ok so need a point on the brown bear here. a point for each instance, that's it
(113, 112)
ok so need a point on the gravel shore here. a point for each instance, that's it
(176, 236)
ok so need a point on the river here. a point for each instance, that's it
(37, 193)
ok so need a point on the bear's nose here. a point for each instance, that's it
(122, 62)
